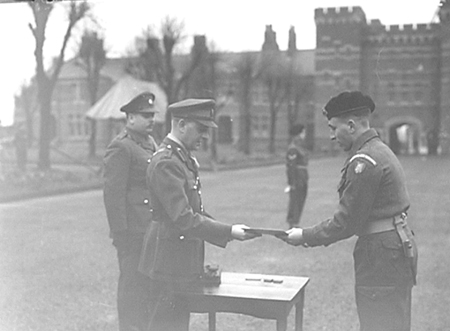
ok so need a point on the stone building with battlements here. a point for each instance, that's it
(406, 69)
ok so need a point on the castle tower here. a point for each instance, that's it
(339, 42)
(444, 18)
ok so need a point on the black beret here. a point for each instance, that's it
(347, 102)
(143, 103)
(199, 110)
(296, 129)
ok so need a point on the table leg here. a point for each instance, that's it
(212, 321)
(299, 312)
(282, 324)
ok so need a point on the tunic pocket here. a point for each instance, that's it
(394, 257)
(180, 258)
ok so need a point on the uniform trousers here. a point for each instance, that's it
(133, 293)
(384, 279)
(297, 197)
(169, 312)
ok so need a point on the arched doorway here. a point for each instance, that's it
(405, 135)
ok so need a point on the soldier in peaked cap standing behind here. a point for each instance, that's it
(180, 221)
(126, 198)
(373, 202)
(297, 175)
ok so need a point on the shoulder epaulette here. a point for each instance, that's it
(164, 150)
(363, 156)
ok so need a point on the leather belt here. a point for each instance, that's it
(382, 225)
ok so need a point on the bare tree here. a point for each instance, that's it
(93, 57)
(247, 73)
(156, 61)
(46, 80)
(26, 100)
(219, 93)
(274, 76)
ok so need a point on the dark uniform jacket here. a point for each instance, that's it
(180, 222)
(296, 163)
(125, 192)
(372, 188)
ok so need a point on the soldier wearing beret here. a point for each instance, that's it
(180, 222)
(373, 202)
(127, 204)
(297, 175)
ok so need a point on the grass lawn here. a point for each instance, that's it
(58, 269)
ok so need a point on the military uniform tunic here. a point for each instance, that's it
(373, 188)
(182, 225)
(127, 204)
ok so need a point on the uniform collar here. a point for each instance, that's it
(182, 152)
(175, 139)
(361, 140)
(177, 145)
(138, 137)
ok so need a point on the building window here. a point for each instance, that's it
(78, 125)
(391, 92)
(418, 94)
(225, 131)
(405, 94)
(260, 125)
(66, 92)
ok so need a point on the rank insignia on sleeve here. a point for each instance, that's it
(359, 167)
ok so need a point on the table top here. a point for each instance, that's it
(254, 287)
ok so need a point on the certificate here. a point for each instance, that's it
(272, 232)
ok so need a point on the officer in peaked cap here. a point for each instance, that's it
(143, 103)
(373, 205)
(181, 225)
(199, 110)
(127, 204)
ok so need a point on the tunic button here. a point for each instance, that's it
(145, 201)
(181, 237)
(148, 161)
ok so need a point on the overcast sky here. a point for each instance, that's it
(233, 25)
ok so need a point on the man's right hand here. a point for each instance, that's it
(238, 232)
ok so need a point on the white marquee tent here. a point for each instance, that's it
(125, 89)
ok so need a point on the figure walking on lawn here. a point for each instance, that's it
(297, 175)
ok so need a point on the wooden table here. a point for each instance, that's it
(262, 296)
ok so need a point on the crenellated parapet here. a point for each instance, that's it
(408, 34)
(339, 15)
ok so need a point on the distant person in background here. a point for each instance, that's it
(297, 174)
(127, 203)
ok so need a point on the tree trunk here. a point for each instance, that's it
(45, 132)
(93, 138)
(273, 125)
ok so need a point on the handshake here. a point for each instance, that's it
(293, 237)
